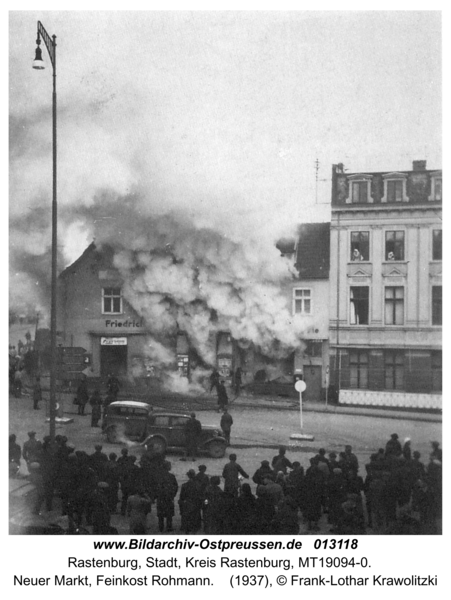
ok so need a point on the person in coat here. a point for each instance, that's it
(82, 396)
(166, 491)
(138, 507)
(37, 393)
(226, 425)
(96, 408)
(190, 503)
(231, 474)
(193, 430)
(223, 399)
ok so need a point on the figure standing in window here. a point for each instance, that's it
(391, 256)
(356, 254)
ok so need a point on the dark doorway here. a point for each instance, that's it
(312, 378)
(113, 359)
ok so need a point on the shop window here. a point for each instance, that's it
(394, 305)
(436, 367)
(359, 192)
(395, 190)
(112, 301)
(394, 245)
(436, 305)
(359, 305)
(394, 370)
(302, 301)
(360, 245)
(358, 369)
(437, 244)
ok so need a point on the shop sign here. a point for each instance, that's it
(110, 341)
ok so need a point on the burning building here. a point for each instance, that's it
(169, 308)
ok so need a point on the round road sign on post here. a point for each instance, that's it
(300, 386)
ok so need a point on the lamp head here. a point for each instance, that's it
(38, 63)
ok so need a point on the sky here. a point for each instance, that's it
(215, 118)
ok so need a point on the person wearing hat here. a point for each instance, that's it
(193, 430)
(202, 480)
(166, 491)
(393, 446)
(263, 470)
(226, 424)
(98, 461)
(190, 503)
(32, 449)
(281, 462)
(213, 506)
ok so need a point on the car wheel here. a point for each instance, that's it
(217, 449)
(111, 435)
(157, 445)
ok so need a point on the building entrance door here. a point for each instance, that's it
(113, 359)
(312, 378)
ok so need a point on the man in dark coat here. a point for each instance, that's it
(223, 399)
(82, 396)
(113, 385)
(32, 449)
(96, 408)
(130, 480)
(226, 425)
(260, 473)
(281, 462)
(213, 504)
(37, 393)
(214, 380)
(393, 446)
(231, 474)
(15, 454)
(193, 429)
(97, 461)
(166, 491)
(100, 510)
(190, 503)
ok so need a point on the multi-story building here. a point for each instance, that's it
(386, 287)
(309, 297)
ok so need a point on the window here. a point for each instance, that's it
(437, 244)
(394, 305)
(395, 190)
(437, 191)
(302, 301)
(360, 245)
(358, 369)
(112, 300)
(394, 245)
(359, 305)
(359, 191)
(179, 421)
(436, 305)
(394, 370)
(436, 368)
(161, 421)
(313, 348)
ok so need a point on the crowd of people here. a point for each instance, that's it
(399, 494)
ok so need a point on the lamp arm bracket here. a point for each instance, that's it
(49, 42)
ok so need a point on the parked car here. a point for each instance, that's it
(157, 430)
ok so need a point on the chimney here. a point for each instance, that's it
(419, 165)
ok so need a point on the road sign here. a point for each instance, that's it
(300, 386)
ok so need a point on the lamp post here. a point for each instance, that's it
(38, 63)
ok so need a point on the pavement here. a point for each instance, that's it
(21, 490)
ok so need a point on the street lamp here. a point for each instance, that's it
(38, 63)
